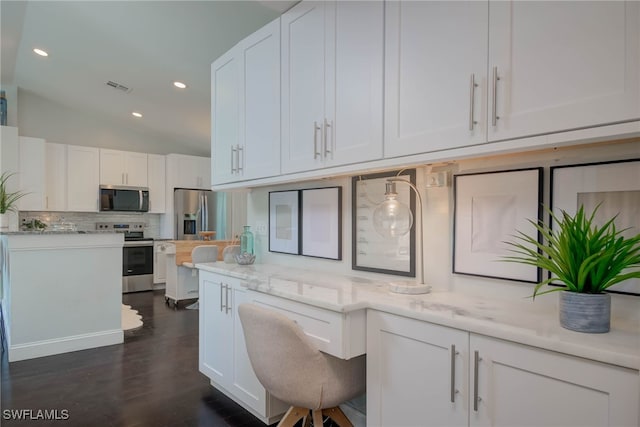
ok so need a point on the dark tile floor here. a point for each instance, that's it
(150, 380)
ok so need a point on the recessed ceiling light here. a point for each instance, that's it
(40, 52)
(136, 114)
(179, 85)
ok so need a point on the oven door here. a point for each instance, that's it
(137, 258)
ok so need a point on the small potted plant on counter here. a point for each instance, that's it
(8, 200)
(586, 259)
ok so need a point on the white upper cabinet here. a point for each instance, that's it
(42, 175)
(32, 173)
(332, 65)
(562, 65)
(225, 112)
(123, 168)
(83, 178)
(245, 99)
(56, 177)
(464, 73)
(189, 172)
(156, 172)
(435, 75)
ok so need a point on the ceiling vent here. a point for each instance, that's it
(118, 86)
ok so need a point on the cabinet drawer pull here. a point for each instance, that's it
(453, 373)
(476, 362)
(316, 128)
(226, 299)
(240, 163)
(494, 110)
(472, 95)
(328, 126)
(221, 290)
(233, 160)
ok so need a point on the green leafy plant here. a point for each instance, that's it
(586, 258)
(8, 200)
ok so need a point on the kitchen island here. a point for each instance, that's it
(61, 291)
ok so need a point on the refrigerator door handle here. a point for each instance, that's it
(205, 216)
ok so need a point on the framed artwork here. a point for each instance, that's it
(489, 209)
(613, 186)
(284, 220)
(322, 222)
(371, 251)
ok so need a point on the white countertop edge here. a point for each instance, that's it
(589, 346)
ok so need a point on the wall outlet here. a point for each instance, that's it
(436, 179)
(261, 228)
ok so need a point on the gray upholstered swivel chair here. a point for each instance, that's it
(293, 370)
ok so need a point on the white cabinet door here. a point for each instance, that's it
(32, 173)
(216, 329)
(56, 177)
(416, 371)
(563, 65)
(303, 86)
(159, 262)
(354, 88)
(259, 139)
(156, 176)
(332, 68)
(111, 167)
(225, 115)
(135, 167)
(521, 385)
(83, 177)
(203, 178)
(123, 168)
(434, 50)
(189, 171)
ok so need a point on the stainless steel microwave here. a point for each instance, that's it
(124, 199)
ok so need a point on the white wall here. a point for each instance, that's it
(438, 216)
(42, 118)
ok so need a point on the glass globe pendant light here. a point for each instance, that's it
(392, 218)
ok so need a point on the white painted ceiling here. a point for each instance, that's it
(144, 45)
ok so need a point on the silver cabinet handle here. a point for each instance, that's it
(233, 160)
(476, 362)
(126, 175)
(221, 288)
(316, 128)
(227, 309)
(494, 114)
(328, 126)
(453, 373)
(472, 95)
(122, 177)
(240, 164)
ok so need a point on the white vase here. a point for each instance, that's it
(5, 219)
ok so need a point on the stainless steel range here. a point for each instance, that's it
(137, 255)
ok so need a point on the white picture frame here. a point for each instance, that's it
(322, 222)
(284, 222)
(614, 185)
(489, 210)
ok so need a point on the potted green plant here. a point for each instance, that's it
(8, 200)
(587, 259)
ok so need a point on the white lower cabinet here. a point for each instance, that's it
(420, 374)
(159, 262)
(223, 355)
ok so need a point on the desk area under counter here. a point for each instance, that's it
(518, 342)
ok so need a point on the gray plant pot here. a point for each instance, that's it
(589, 313)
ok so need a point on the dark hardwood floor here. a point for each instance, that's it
(150, 380)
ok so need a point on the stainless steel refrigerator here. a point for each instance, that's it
(205, 210)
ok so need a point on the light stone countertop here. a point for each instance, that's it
(500, 310)
(56, 232)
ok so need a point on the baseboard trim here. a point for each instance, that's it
(64, 345)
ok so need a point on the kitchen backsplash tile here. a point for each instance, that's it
(86, 221)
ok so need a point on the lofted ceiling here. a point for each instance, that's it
(143, 45)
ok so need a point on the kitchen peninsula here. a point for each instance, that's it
(61, 291)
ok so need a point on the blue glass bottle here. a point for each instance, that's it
(3, 109)
(246, 241)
